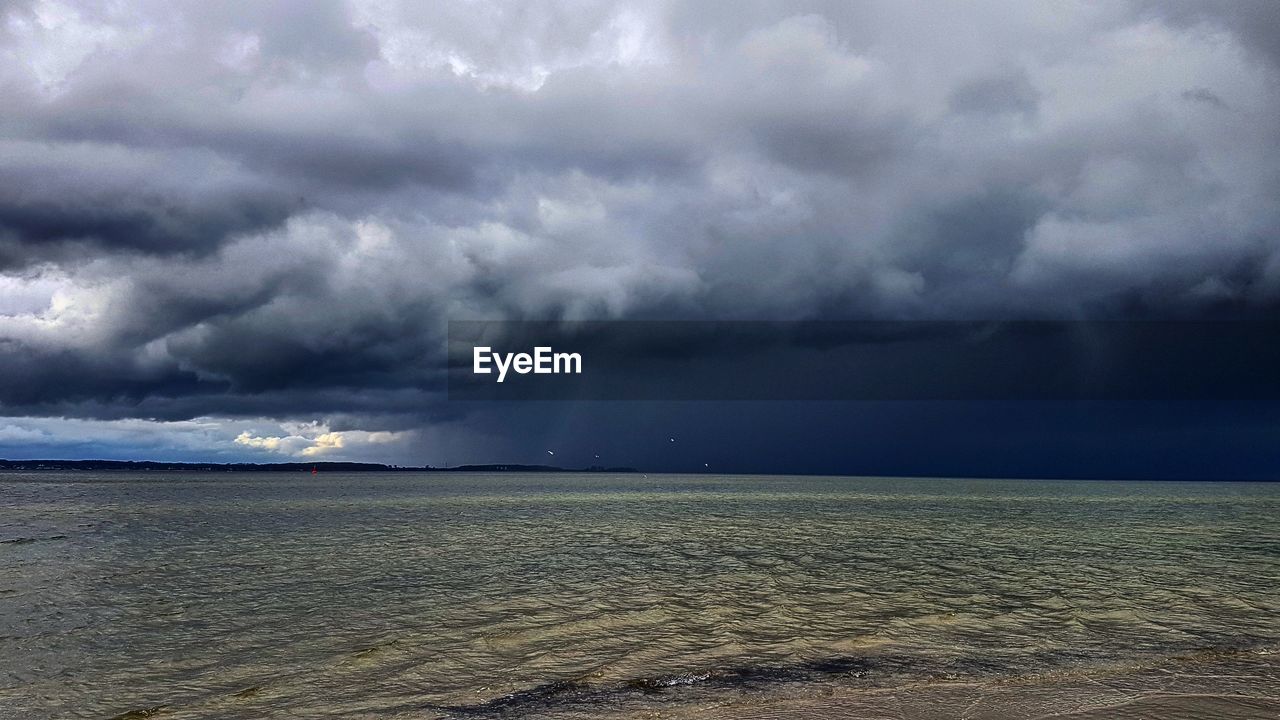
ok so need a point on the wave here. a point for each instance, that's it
(567, 693)
(26, 540)
(869, 671)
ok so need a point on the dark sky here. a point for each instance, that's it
(237, 230)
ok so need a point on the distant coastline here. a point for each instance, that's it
(154, 466)
(13, 466)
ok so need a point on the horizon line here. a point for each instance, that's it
(511, 467)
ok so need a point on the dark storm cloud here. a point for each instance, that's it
(271, 209)
(79, 201)
(34, 379)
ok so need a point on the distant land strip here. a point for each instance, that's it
(153, 466)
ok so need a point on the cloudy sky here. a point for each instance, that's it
(237, 230)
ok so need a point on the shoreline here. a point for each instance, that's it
(1176, 687)
(1186, 685)
(1222, 684)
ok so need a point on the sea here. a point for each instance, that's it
(594, 595)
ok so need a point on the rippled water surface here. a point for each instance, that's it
(470, 595)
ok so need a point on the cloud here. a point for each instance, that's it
(318, 440)
(251, 210)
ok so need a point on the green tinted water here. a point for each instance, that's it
(428, 595)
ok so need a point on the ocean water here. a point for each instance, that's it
(433, 595)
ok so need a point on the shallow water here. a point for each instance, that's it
(470, 595)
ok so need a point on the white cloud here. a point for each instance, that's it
(318, 440)
(205, 438)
